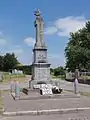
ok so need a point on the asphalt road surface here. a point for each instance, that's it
(73, 116)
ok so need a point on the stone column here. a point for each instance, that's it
(37, 33)
(42, 33)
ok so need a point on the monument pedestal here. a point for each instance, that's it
(41, 72)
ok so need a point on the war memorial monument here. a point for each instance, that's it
(40, 79)
(40, 65)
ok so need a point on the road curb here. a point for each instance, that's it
(49, 97)
(45, 112)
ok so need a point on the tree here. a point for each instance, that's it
(59, 71)
(1, 63)
(10, 61)
(77, 52)
(51, 70)
(27, 69)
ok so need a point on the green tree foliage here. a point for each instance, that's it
(25, 68)
(51, 70)
(58, 71)
(1, 63)
(77, 52)
(8, 61)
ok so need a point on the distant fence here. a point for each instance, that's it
(83, 77)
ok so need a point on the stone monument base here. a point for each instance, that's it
(34, 84)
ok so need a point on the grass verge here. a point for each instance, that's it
(62, 77)
(7, 78)
(87, 94)
(1, 101)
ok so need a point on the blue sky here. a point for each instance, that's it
(17, 32)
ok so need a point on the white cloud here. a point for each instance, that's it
(67, 24)
(26, 59)
(50, 30)
(2, 39)
(17, 49)
(56, 60)
(30, 41)
(53, 56)
(17, 46)
(2, 42)
(17, 52)
(0, 32)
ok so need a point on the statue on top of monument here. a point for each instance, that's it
(37, 12)
(39, 24)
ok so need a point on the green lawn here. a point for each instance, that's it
(59, 76)
(85, 77)
(1, 101)
(7, 78)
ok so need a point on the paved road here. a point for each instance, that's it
(64, 84)
(73, 116)
(69, 86)
(68, 100)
